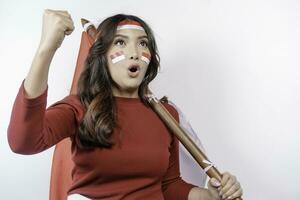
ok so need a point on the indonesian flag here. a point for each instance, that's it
(62, 163)
(146, 58)
(117, 57)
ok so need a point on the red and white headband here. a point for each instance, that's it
(130, 24)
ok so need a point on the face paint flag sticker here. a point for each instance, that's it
(145, 57)
(117, 57)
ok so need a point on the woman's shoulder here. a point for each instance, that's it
(71, 99)
(70, 102)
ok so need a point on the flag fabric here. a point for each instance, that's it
(62, 163)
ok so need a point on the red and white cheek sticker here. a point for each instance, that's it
(146, 58)
(117, 57)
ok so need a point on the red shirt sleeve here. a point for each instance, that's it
(33, 128)
(173, 187)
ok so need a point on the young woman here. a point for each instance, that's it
(121, 149)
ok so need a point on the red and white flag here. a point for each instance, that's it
(146, 57)
(117, 57)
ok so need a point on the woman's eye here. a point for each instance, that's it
(119, 42)
(144, 43)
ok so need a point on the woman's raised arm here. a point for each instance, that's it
(56, 24)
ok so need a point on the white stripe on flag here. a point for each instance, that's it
(118, 59)
(87, 25)
(145, 59)
(128, 26)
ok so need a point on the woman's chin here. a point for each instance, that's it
(129, 89)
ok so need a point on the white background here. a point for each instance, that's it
(231, 66)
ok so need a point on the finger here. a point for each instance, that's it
(225, 178)
(48, 10)
(228, 185)
(69, 23)
(65, 16)
(235, 187)
(68, 26)
(58, 12)
(68, 31)
(214, 182)
(238, 193)
(62, 12)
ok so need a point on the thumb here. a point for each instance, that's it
(214, 182)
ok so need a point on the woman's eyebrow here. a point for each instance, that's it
(143, 36)
(125, 36)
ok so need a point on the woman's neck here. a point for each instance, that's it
(125, 93)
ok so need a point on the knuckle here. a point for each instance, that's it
(234, 179)
(236, 186)
(52, 14)
(60, 23)
(230, 182)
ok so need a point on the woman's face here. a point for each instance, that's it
(128, 58)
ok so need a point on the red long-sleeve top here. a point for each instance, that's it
(143, 165)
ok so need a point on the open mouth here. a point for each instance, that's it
(134, 68)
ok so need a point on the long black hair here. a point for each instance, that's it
(94, 87)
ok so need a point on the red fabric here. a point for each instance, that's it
(61, 164)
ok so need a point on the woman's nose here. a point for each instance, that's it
(133, 52)
(134, 57)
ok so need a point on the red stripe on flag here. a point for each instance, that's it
(119, 53)
(129, 22)
(146, 55)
